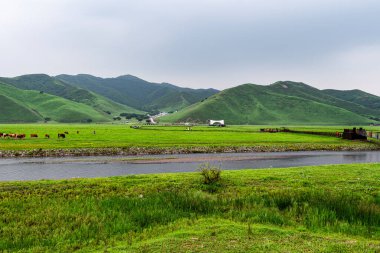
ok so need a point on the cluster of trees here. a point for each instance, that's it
(374, 118)
(139, 117)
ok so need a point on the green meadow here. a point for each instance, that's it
(333, 208)
(122, 136)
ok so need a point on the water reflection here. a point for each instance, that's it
(59, 168)
(355, 157)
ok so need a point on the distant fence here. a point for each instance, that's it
(370, 134)
(287, 130)
(334, 134)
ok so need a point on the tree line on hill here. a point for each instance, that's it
(139, 117)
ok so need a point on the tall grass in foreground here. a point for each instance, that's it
(74, 214)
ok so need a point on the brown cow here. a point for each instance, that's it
(47, 136)
(12, 135)
(33, 135)
(66, 132)
(1, 134)
(63, 136)
(20, 136)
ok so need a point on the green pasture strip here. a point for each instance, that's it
(222, 235)
(337, 203)
(122, 136)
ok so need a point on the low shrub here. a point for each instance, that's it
(211, 174)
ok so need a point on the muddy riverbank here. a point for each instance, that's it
(130, 151)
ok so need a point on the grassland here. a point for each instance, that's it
(112, 139)
(311, 209)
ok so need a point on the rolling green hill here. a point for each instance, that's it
(280, 103)
(41, 96)
(308, 92)
(32, 106)
(137, 93)
(46, 84)
(81, 98)
(11, 111)
(356, 96)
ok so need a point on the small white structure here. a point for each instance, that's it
(160, 114)
(216, 122)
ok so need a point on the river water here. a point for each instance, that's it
(90, 167)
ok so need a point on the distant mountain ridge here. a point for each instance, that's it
(138, 93)
(86, 98)
(82, 101)
(283, 102)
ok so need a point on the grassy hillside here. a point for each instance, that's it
(310, 209)
(305, 91)
(103, 104)
(54, 86)
(47, 84)
(283, 103)
(138, 93)
(357, 97)
(14, 112)
(274, 104)
(33, 106)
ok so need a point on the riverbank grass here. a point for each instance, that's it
(222, 235)
(316, 209)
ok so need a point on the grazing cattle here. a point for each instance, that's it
(33, 135)
(66, 132)
(63, 136)
(77, 132)
(47, 136)
(1, 134)
(5, 135)
(20, 136)
(12, 135)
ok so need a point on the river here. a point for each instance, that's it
(90, 167)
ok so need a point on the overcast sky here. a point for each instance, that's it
(196, 43)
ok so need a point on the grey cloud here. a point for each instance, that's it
(206, 43)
